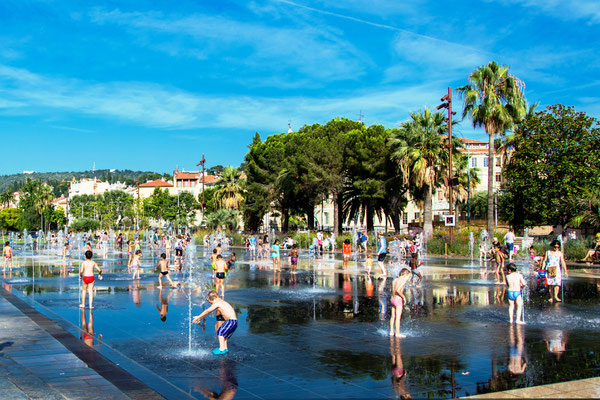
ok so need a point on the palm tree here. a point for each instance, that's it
(6, 198)
(229, 189)
(493, 99)
(468, 179)
(418, 148)
(588, 205)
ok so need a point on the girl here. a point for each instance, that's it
(135, 264)
(275, 255)
(398, 300)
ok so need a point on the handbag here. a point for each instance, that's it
(552, 271)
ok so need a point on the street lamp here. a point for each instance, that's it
(447, 103)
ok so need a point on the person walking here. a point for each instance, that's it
(554, 260)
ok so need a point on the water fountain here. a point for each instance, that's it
(471, 245)
(194, 284)
(355, 244)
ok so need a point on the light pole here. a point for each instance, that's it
(447, 103)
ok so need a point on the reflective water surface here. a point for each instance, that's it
(323, 332)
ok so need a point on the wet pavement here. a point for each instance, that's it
(322, 333)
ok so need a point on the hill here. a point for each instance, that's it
(58, 180)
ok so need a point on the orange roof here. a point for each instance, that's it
(187, 175)
(210, 179)
(156, 183)
(465, 140)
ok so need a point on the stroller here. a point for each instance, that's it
(542, 280)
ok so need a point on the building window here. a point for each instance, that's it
(405, 218)
(179, 184)
(440, 195)
(474, 162)
(417, 215)
(498, 177)
(486, 161)
(498, 161)
(326, 218)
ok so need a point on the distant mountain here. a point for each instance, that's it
(58, 179)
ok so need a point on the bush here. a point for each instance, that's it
(573, 249)
(84, 224)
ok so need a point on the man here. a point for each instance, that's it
(509, 239)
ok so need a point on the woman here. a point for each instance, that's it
(555, 264)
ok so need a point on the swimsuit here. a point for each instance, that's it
(220, 275)
(88, 279)
(513, 294)
(164, 272)
(398, 371)
(294, 260)
(220, 318)
(227, 329)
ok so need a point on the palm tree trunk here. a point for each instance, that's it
(285, 220)
(427, 212)
(310, 216)
(396, 222)
(491, 181)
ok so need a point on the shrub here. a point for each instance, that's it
(84, 224)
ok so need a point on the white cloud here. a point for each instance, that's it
(157, 106)
(565, 9)
(311, 50)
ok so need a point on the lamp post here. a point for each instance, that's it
(447, 103)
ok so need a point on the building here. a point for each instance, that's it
(92, 186)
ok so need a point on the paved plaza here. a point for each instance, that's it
(320, 333)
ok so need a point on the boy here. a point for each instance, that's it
(87, 273)
(220, 269)
(515, 283)
(8, 255)
(231, 261)
(164, 271)
(499, 260)
(414, 267)
(229, 325)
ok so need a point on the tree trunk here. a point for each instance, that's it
(456, 213)
(491, 182)
(370, 217)
(396, 222)
(285, 220)
(427, 212)
(336, 210)
(340, 215)
(310, 216)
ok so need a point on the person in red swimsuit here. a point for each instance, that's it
(87, 273)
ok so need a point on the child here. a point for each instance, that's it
(8, 255)
(275, 255)
(346, 251)
(220, 270)
(164, 271)
(87, 272)
(88, 247)
(213, 260)
(129, 253)
(414, 267)
(164, 305)
(65, 250)
(231, 261)
(294, 257)
(369, 264)
(227, 328)
(135, 264)
(398, 300)
(515, 282)
(499, 259)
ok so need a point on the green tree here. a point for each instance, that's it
(256, 197)
(556, 159)
(493, 99)
(224, 219)
(588, 208)
(9, 218)
(422, 157)
(6, 198)
(58, 219)
(84, 224)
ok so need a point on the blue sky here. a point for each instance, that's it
(152, 85)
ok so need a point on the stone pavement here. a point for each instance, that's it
(40, 360)
(580, 389)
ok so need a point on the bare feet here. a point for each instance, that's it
(551, 300)
(401, 336)
(557, 300)
(392, 334)
(521, 323)
(511, 321)
(81, 306)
